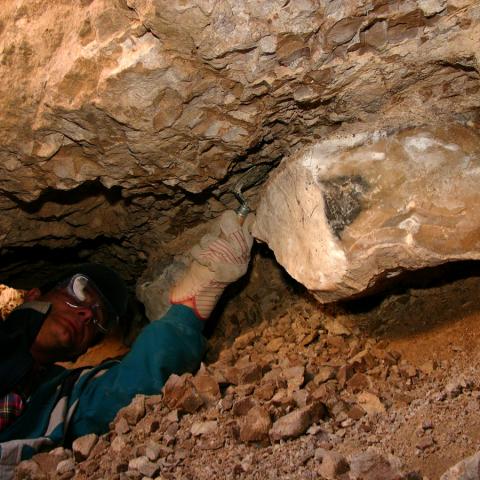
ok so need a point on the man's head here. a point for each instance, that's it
(86, 302)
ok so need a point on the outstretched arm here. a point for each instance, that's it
(174, 343)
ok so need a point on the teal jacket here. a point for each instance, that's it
(72, 403)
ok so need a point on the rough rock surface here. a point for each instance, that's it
(352, 211)
(129, 121)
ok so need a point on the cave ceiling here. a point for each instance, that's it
(125, 124)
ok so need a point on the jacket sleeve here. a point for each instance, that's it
(173, 344)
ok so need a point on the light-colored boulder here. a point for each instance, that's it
(352, 211)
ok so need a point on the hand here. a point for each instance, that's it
(221, 257)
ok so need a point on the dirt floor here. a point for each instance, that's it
(396, 375)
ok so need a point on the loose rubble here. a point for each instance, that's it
(322, 402)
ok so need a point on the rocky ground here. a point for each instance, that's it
(381, 389)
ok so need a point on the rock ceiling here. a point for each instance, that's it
(126, 123)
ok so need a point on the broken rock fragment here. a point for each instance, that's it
(297, 422)
(351, 212)
(179, 393)
(255, 425)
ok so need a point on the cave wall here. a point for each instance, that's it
(125, 123)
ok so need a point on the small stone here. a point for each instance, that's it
(207, 387)
(204, 428)
(83, 446)
(294, 376)
(427, 425)
(29, 469)
(365, 359)
(407, 370)
(371, 465)
(291, 425)
(122, 426)
(265, 391)
(135, 411)
(66, 466)
(335, 327)
(358, 382)
(47, 463)
(370, 403)
(152, 450)
(180, 394)
(301, 397)
(211, 443)
(172, 416)
(344, 374)
(268, 44)
(244, 340)
(144, 466)
(255, 425)
(241, 407)
(61, 453)
(333, 464)
(356, 412)
(428, 367)
(274, 345)
(425, 443)
(324, 374)
(118, 444)
(249, 373)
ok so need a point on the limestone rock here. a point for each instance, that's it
(291, 425)
(29, 469)
(351, 212)
(254, 427)
(82, 446)
(370, 403)
(180, 394)
(204, 428)
(372, 465)
(144, 466)
(333, 463)
(207, 387)
(133, 412)
(65, 467)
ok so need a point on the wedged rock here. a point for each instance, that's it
(350, 212)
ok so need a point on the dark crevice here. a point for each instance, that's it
(27, 267)
(90, 188)
(430, 277)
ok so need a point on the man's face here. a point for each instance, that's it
(67, 332)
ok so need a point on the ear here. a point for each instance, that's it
(33, 294)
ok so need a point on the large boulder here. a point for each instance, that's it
(351, 211)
